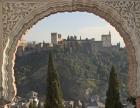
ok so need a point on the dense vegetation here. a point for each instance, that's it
(82, 72)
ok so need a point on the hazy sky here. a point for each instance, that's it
(86, 25)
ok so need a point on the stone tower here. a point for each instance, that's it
(55, 38)
(106, 39)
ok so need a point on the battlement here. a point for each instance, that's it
(72, 40)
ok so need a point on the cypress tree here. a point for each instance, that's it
(54, 94)
(113, 96)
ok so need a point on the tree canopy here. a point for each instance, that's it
(113, 96)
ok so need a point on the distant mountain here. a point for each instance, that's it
(82, 72)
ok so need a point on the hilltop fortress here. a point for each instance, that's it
(72, 42)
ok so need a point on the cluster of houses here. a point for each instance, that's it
(31, 97)
(20, 102)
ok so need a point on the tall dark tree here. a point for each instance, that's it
(54, 98)
(113, 95)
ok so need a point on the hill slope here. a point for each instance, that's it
(82, 73)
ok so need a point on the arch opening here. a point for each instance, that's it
(131, 51)
(105, 13)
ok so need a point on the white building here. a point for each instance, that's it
(55, 38)
(106, 39)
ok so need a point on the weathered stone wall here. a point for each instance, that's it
(0, 47)
(16, 16)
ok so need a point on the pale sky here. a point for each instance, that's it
(86, 25)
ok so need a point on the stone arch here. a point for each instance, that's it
(116, 12)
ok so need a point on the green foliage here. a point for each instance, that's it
(113, 96)
(78, 70)
(54, 94)
(132, 100)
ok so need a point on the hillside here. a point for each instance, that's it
(82, 72)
